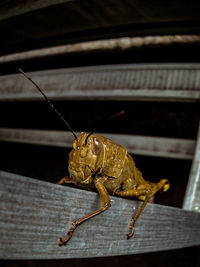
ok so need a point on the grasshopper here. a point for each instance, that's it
(96, 160)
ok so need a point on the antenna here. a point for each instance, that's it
(105, 121)
(49, 102)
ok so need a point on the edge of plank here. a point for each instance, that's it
(34, 214)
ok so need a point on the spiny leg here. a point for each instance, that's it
(135, 193)
(134, 219)
(143, 192)
(105, 204)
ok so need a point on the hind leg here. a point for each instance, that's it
(143, 192)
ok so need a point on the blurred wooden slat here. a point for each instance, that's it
(141, 145)
(161, 82)
(116, 44)
(34, 214)
(192, 196)
(78, 21)
(13, 8)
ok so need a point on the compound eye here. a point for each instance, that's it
(97, 146)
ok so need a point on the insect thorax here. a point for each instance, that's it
(98, 154)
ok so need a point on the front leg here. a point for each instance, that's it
(66, 180)
(105, 204)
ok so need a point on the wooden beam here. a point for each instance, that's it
(78, 21)
(162, 82)
(140, 145)
(34, 214)
(114, 44)
(192, 196)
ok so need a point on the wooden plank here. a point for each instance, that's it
(115, 44)
(163, 82)
(13, 8)
(34, 214)
(78, 21)
(192, 196)
(140, 145)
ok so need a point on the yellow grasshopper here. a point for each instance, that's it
(96, 160)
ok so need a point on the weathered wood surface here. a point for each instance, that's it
(140, 145)
(34, 214)
(165, 82)
(192, 196)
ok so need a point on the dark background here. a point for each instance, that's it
(78, 21)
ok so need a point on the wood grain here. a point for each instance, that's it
(157, 82)
(34, 214)
(140, 145)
